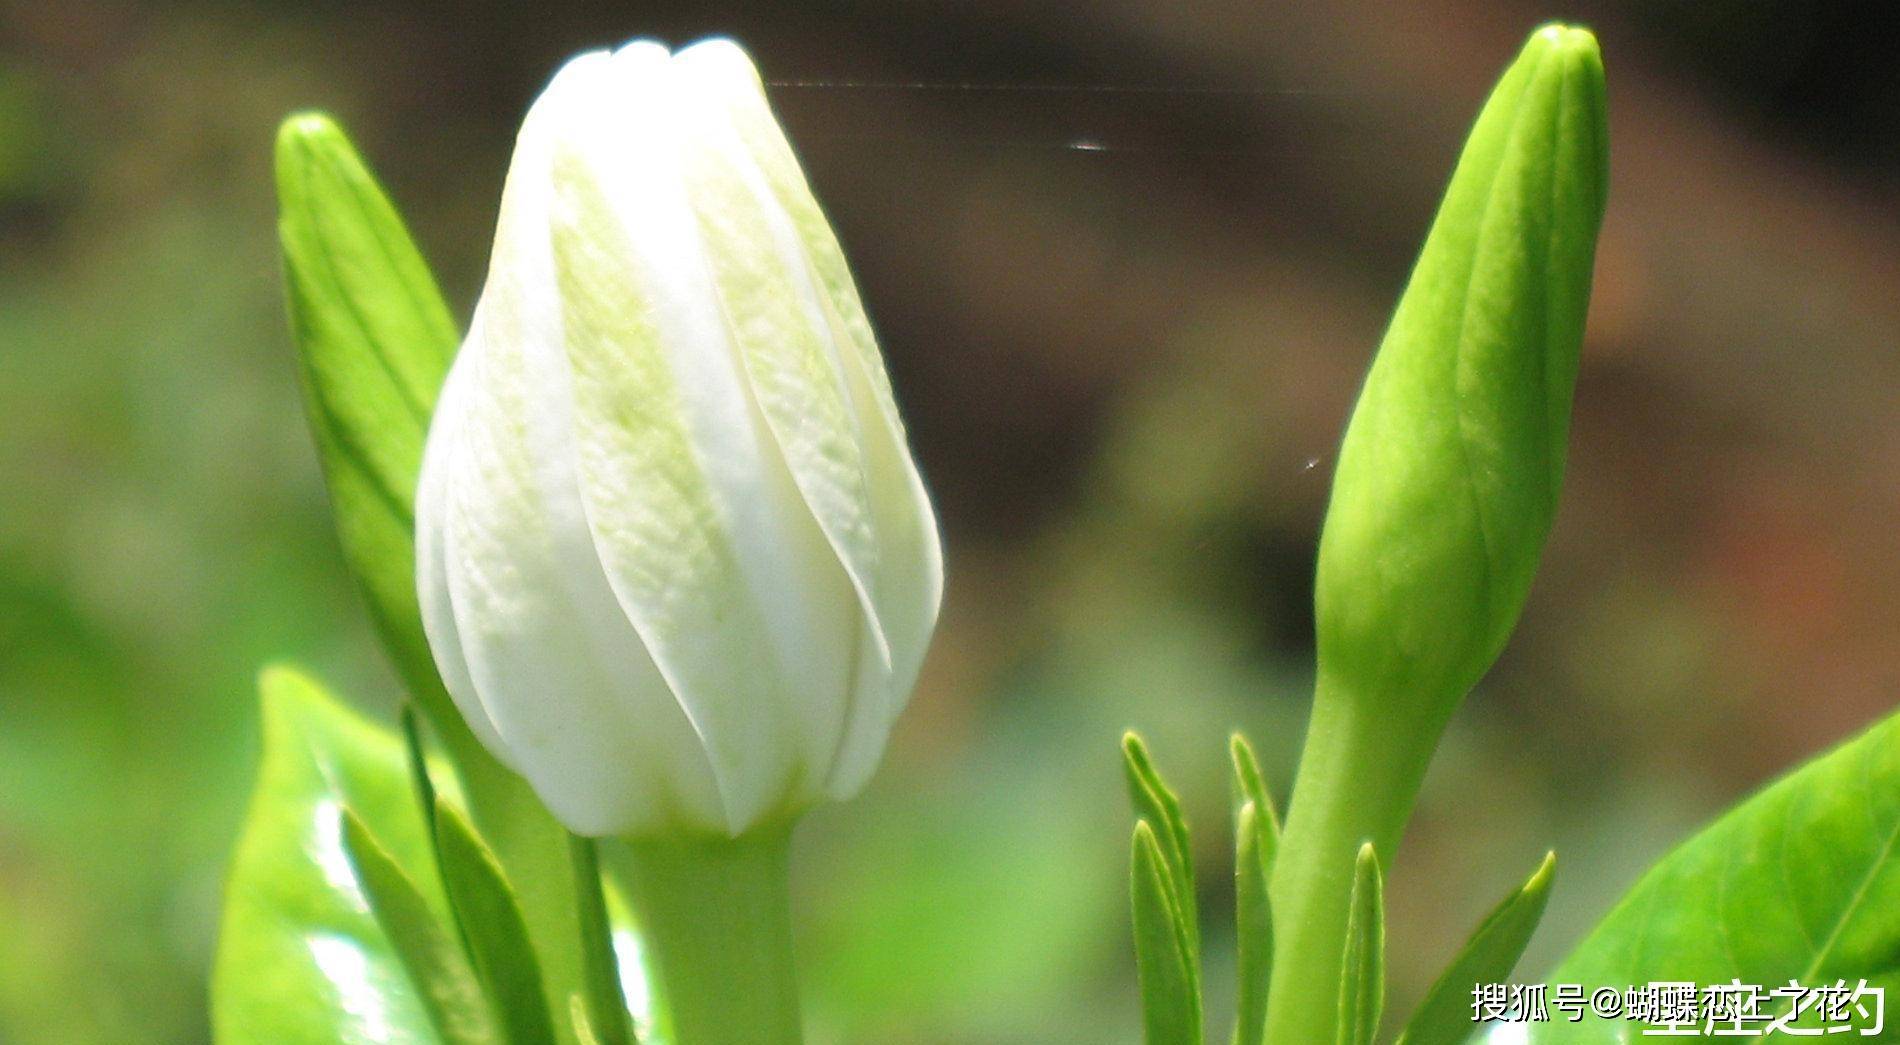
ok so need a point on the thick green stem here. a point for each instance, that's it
(1359, 775)
(715, 921)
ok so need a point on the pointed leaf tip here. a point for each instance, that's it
(1155, 803)
(1444, 1017)
(1362, 983)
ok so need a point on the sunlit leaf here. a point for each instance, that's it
(301, 957)
(1800, 882)
(429, 949)
(374, 342)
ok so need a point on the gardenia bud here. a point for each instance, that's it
(1448, 476)
(675, 562)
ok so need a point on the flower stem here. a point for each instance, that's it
(1358, 778)
(715, 921)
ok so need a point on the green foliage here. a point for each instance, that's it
(1253, 924)
(1362, 983)
(301, 957)
(1156, 804)
(1170, 995)
(458, 1009)
(1800, 882)
(374, 341)
(1444, 1017)
(491, 925)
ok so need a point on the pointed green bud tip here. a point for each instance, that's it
(1449, 471)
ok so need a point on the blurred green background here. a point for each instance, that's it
(1126, 321)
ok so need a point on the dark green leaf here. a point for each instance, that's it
(1800, 882)
(1362, 985)
(1170, 995)
(301, 959)
(1253, 924)
(1488, 956)
(431, 951)
(491, 923)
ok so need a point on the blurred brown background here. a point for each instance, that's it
(1128, 261)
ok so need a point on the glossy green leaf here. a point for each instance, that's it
(374, 341)
(491, 924)
(301, 957)
(1800, 882)
(1253, 923)
(605, 1009)
(1488, 956)
(1362, 986)
(1170, 994)
(428, 948)
(1155, 803)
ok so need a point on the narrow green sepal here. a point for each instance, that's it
(374, 341)
(1253, 923)
(493, 928)
(1170, 993)
(432, 955)
(1362, 987)
(1250, 786)
(1155, 803)
(604, 1007)
(1444, 1017)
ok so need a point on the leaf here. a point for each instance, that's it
(1156, 804)
(1249, 786)
(1170, 996)
(1253, 923)
(604, 1008)
(301, 957)
(433, 955)
(1487, 957)
(491, 924)
(1800, 882)
(1362, 985)
(374, 341)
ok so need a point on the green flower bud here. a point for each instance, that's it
(1446, 486)
(1449, 473)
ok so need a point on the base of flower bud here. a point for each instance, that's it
(714, 918)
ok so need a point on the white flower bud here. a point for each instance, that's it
(675, 562)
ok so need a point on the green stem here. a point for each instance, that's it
(715, 921)
(1358, 778)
